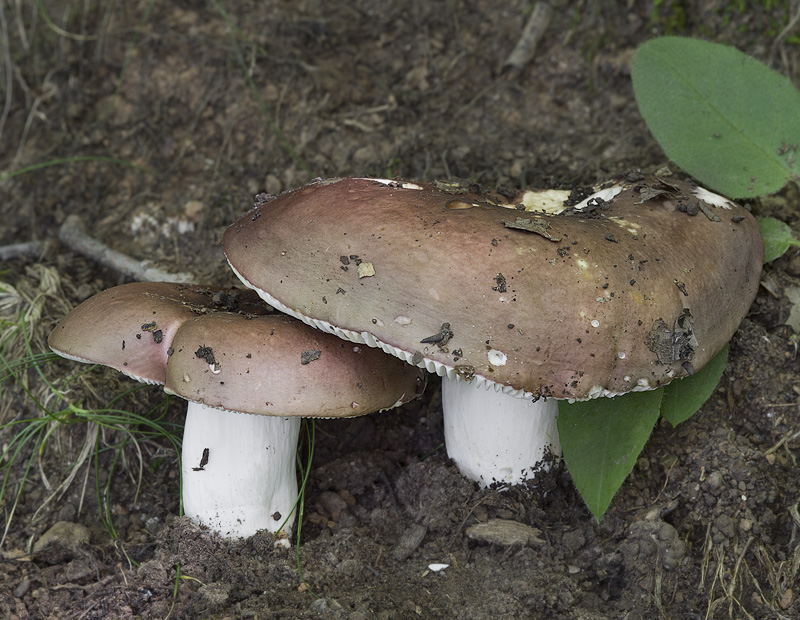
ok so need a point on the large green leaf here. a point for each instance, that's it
(725, 118)
(683, 397)
(777, 237)
(602, 439)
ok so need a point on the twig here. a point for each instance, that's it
(778, 41)
(17, 250)
(6, 54)
(387, 482)
(471, 510)
(526, 46)
(74, 236)
(783, 440)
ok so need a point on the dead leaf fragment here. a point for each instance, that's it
(532, 224)
(648, 193)
(365, 269)
(505, 532)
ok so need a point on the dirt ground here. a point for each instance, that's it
(162, 120)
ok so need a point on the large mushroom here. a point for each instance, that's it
(220, 349)
(639, 283)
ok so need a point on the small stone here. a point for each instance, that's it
(22, 589)
(409, 541)
(273, 185)
(326, 607)
(786, 599)
(714, 480)
(60, 543)
(573, 540)
(77, 569)
(347, 496)
(216, 593)
(333, 504)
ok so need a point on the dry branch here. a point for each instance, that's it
(525, 48)
(74, 236)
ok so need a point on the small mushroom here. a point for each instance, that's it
(130, 327)
(221, 350)
(248, 381)
(574, 302)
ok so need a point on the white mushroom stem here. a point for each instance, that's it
(496, 437)
(248, 482)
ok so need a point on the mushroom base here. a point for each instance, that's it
(495, 437)
(246, 482)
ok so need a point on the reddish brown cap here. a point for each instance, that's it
(276, 365)
(626, 293)
(131, 327)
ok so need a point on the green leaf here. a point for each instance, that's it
(683, 397)
(777, 237)
(725, 118)
(602, 439)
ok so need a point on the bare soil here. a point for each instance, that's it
(196, 110)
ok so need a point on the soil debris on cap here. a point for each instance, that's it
(451, 187)
(535, 225)
(441, 338)
(158, 335)
(205, 353)
(707, 211)
(465, 371)
(649, 192)
(673, 345)
(681, 286)
(460, 204)
(306, 357)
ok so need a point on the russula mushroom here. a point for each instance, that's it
(640, 283)
(248, 381)
(130, 327)
(238, 469)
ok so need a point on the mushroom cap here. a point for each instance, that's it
(131, 327)
(626, 293)
(276, 365)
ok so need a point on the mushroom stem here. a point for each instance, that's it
(497, 437)
(246, 481)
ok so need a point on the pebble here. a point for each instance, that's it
(326, 606)
(714, 480)
(333, 504)
(216, 593)
(60, 542)
(409, 541)
(22, 589)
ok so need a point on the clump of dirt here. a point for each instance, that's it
(163, 120)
